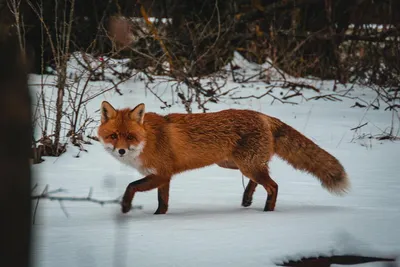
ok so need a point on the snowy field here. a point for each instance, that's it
(205, 224)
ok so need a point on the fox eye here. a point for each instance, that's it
(114, 136)
(130, 137)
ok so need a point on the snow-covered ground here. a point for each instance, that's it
(205, 224)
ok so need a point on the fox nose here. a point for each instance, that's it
(121, 151)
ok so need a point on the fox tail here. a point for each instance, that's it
(303, 154)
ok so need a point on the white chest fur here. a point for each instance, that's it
(135, 162)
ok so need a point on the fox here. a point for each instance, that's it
(161, 146)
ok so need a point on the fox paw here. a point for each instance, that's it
(125, 207)
(269, 206)
(161, 211)
(246, 202)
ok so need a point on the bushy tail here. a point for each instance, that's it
(303, 154)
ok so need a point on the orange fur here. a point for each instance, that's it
(162, 146)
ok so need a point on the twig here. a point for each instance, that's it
(292, 95)
(37, 204)
(159, 98)
(331, 97)
(252, 76)
(104, 91)
(116, 87)
(93, 138)
(358, 105)
(393, 107)
(49, 195)
(388, 137)
(261, 96)
(358, 127)
(66, 198)
(34, 187)
(63, 208)
(301, 85)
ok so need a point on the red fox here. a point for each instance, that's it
(162, 146)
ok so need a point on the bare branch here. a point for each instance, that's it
(264, 94)
(50, 196)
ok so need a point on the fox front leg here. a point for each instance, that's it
(163, 198)
(147, 183)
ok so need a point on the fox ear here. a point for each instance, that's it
(137, 114)
(107, 111)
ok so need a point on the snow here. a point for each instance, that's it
(205, 224)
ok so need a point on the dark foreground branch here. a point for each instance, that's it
(16, 176)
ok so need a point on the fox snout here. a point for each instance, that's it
(121, 151)
(114, 149)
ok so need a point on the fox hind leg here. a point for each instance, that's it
(252, 156)
(248, 194)
(251, 186)
(263, 178)
(272, 189)
(259, 175)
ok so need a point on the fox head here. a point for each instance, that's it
(121, 131)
